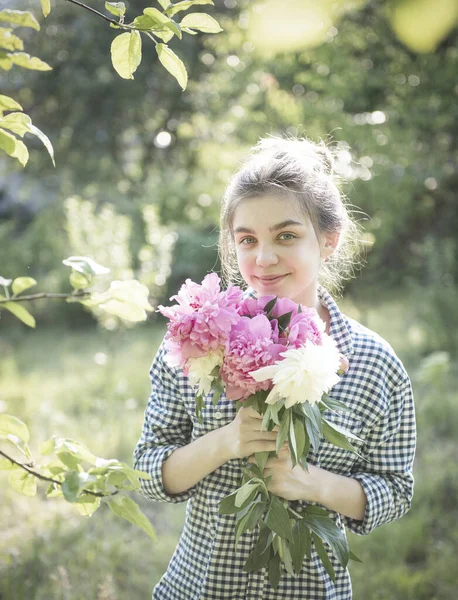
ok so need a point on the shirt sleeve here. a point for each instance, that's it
(167, 426)
(386, 475)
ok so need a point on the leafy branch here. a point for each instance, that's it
(125, 299)
(84, 489)
(126, 55)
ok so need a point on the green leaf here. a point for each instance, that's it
(277, 518)
(284, 430)
(20, 312)
(156, 15)
(284, 320)
(85, 265)
(9, 41)
(21, 153)
(71, 486)
(45, 141)
(21, 59)
(125, 299)
(242, 525)
(270, 305)
(261, 459)
(53, 491)
(87, 504)
(244, 493)
(162, 20)
(337, 438)
(292, 442)
(328, 531)
(422, 25)
(285, 555)
(118, 9)
(274, 571)
(22, 283)
(354, 557)
(173, 64)
(48, 446)
(164, 3)
(256, 560)
(10, 425)
(335, 405)
(143, 22)
(300, 545)
(45, 7)
(261, 552)
(201, 22)
(255, 513)
(321, 550)
(313, 423)
(180, 6)
(5, 63)
(7, 465)
(126, 53)
(300, 435)
(125, 507)
(19, 445)
(19, 17)
(343, 431)
(7, 103)
(23, 482)
(227, 505)
(7, 142)
(78, 281)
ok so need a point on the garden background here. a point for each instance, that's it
(140, 170)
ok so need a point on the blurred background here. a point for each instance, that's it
(140, 170)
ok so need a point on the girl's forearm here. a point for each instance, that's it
(341, 494)
(188, 465)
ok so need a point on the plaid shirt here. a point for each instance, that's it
(205, 565)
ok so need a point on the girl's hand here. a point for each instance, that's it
(244, 436)
(289, 483)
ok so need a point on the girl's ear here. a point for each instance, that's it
(330, 243)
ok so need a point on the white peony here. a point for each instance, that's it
(200, 369)
(304, 374)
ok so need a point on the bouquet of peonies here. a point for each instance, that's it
(274, 355)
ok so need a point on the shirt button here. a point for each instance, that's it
(218, 414)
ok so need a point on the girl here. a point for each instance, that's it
(284, 228)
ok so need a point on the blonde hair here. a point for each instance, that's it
(304, 170)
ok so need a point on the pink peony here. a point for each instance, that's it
(201, 321)
(255, 306)
(284, 306)
(251, 346)
(304, 326)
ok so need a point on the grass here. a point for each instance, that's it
(92, 385)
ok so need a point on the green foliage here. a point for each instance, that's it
(173, 64)
(126, 299)
(67, 477)
(126, 53)
(18, 122)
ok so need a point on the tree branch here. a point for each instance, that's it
(44, 478)
(96, 12)
(45, 295)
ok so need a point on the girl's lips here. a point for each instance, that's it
(270, 280)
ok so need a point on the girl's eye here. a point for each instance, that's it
(247, 240)
(287, 236)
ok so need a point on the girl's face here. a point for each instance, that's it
(278, 251)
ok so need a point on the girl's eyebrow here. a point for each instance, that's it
(287, 223)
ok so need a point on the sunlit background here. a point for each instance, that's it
(140, 170)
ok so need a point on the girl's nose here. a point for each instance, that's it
(266, 257)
